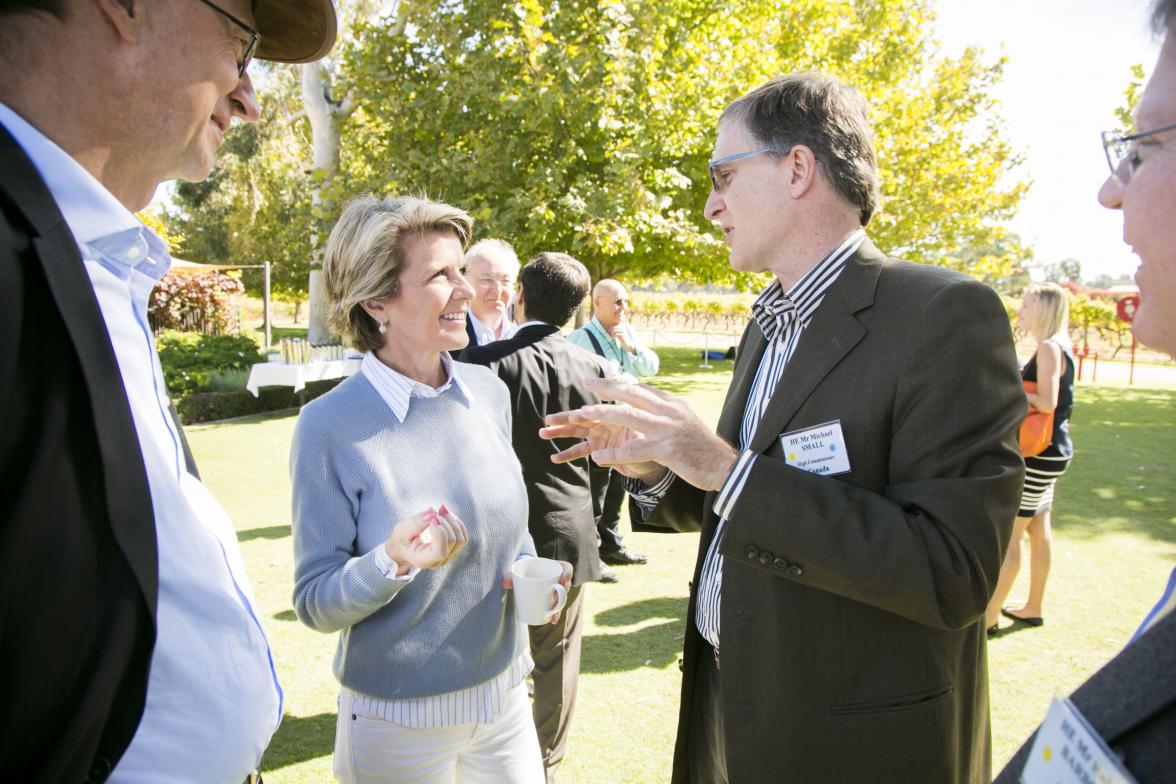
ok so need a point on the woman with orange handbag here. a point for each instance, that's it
(1049, 378)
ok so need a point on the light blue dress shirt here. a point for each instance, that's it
(213, 698)
(485, 334)
(643, 361)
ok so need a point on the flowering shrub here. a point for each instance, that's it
(194, 304)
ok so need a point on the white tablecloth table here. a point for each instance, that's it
(279, 374)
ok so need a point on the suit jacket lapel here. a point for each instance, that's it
(833, 332)
(128, 496)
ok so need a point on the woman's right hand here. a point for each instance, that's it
(427, 540)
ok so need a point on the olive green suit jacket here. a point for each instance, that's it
(852, 639)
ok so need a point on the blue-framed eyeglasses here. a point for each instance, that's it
(717, 162)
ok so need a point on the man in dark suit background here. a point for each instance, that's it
(545, 373)
(857, 498)
(1131, 701)
(129, 645)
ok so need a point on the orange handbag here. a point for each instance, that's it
(1037, 429)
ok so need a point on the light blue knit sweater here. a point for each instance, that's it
(356, 471)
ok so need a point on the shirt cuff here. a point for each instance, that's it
(646, 496)
(729, 493)
(389, 568)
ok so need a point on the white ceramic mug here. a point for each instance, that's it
(536, 585)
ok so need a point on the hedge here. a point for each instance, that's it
(210, 406)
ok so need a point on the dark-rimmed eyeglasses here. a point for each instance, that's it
(717, 162)
(247, 55)
(1123, 151)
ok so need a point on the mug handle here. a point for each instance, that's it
(561, 598)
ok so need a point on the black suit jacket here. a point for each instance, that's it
(1131, 704)
(471, 334)
(545, 374)
(851, 636)
(78, 563)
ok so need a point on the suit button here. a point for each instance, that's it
(765, 557)
(99, 771)
(795, 570)
(752, 551)
(780, 563)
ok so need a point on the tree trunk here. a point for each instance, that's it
(324, 114)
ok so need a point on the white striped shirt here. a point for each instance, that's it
(397, 389)
(782, 317)
(479, 704)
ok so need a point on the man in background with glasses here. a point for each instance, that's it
(491, 267)
(130, 646)
(1130, 703)
(859, 493)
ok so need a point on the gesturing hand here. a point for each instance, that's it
(427, 540)
(654, 429)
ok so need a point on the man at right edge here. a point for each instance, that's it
(1131, 701)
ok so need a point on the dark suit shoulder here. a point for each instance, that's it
(1131, 703)
(571, 363)
(923, 278)
(488, 352)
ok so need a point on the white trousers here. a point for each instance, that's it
(372, 750)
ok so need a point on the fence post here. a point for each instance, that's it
(266, 307)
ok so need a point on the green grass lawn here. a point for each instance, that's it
(1115, 542)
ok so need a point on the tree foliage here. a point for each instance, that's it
(585, 126)
(255, 207)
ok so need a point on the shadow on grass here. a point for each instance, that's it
(285, 615)
(269, 532)
(1121, 477)
(656, 645)
(673, 607)
(300, 738)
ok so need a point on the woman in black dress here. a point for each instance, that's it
(1044, 314)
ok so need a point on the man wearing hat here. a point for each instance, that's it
(130, 646)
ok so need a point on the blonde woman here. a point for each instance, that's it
(409, 509)
(1044, 314)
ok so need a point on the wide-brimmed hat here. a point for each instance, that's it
(294, 31)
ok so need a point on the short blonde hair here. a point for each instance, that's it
(1051, 311)
(364, 257)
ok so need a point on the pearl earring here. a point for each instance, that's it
(383, 329)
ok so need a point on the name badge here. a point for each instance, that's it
(818, 450)
(1067, 750)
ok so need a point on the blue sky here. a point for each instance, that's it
(1068, 65)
